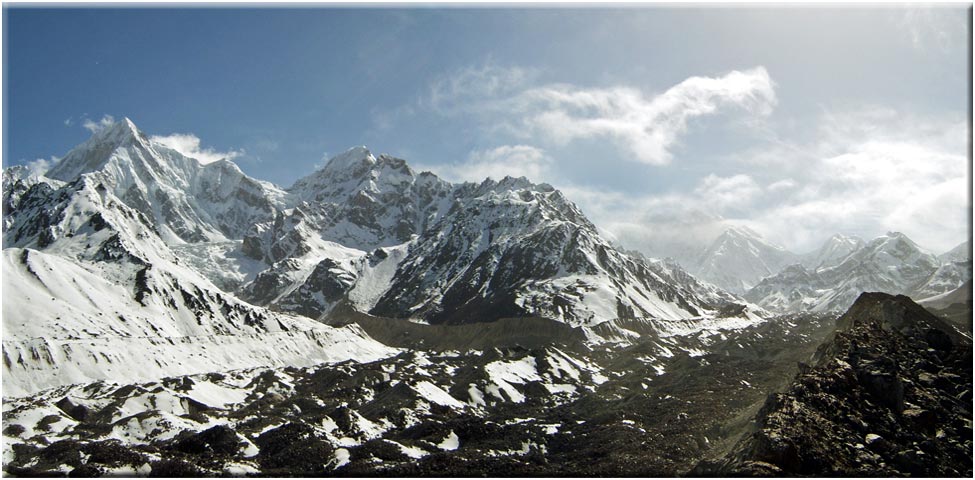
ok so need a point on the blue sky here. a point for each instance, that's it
(660, 122)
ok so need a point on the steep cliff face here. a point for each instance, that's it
(890, 395)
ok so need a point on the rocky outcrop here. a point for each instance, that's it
(889, 395)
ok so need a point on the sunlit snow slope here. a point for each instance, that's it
(92, 290)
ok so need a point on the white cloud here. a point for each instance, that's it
(496, 163)
(864, 170)
(869, 172)
(646, 127)
(41, 165)
(875, 185)
(676, 225)
(189, 145)
(94, 126)
(724, 193)
(934, 26)
(474, 89)
(783, 185)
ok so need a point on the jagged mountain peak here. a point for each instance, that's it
(842, 243)
(359, 160)
(121, 129)
(15, 173)
(505, 245)
(742, 237)
(451, 253)
(357, 171)
(739, 258)
(350, 158)
(841, 238)
(895, 240)
(187, 201)
(890, 263)
(99, 149)
(833, 251)
(897, 245)
(506, 183)
(741, 231)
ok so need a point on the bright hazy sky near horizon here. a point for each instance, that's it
(665, 124)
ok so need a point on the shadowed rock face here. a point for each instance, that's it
(890, 395)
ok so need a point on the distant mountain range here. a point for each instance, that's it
(831, 277)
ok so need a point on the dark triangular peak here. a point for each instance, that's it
(894, 382)
(892, 312)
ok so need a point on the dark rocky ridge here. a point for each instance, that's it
(890, 395)
(526, 332)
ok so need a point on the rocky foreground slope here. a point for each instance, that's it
(891, 395)
(554, 407)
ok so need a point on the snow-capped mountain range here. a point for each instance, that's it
(167, 317)
(833, 276)
(128, 253)
(166, 254)
(739, 258)
(371, 232)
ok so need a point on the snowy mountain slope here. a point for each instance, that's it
(189, 202)
(17, 182)
(453, 253)
(961, 253)
(836, 249)
(890, 263)
(68, 322)
(162, 254)
(961, 295)
(116, 316)
(359, 201)
(526, 249)
(946, 278)
(92, 292)
(739, 258)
